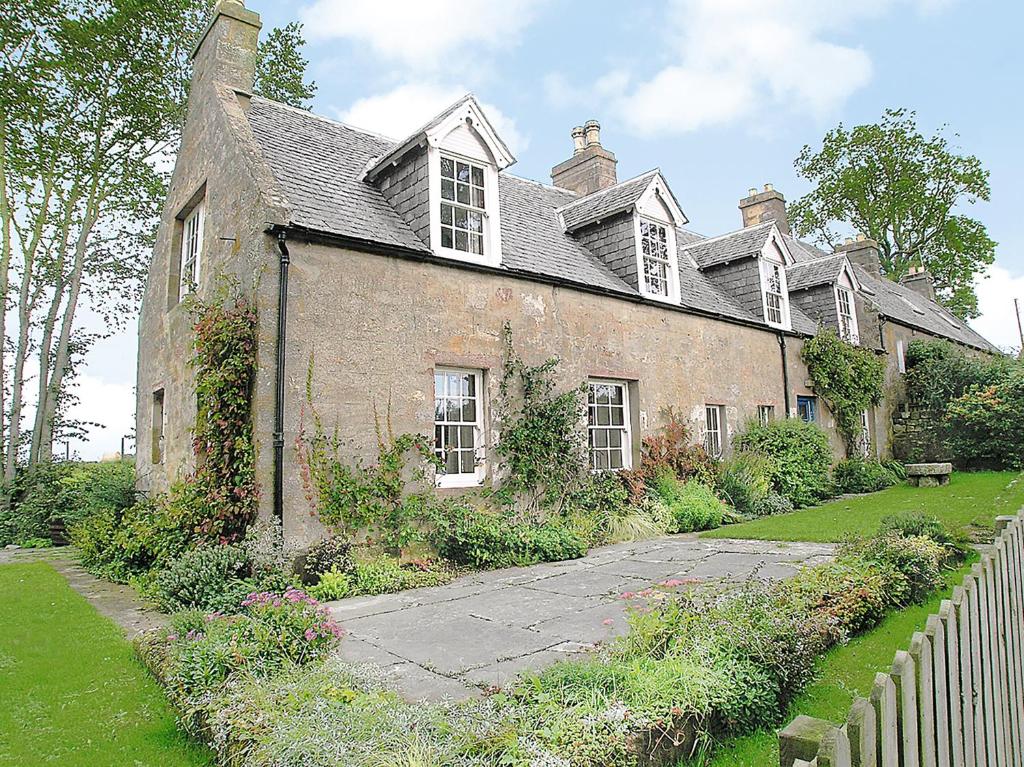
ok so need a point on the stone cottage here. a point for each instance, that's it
(395, 264)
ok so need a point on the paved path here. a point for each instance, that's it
(483, 629)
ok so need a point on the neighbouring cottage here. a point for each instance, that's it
(395, 265)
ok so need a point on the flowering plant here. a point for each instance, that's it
(300, 626)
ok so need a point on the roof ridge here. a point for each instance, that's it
(729, 234)
(324, 118)
(552, 187)
(618, 184)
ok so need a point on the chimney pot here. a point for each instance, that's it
(861, 237)
(578, 142)
(591, 167)
(769, 188)
(920, 281)
(751, 192)
(849, 241)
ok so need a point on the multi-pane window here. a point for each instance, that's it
(847, 322)
(773, 293)
(654, 244)
(458, 426)
(191, 247)
(765, 414)
(713, 422)
(807, 409)
(463, 206)
(608, 425)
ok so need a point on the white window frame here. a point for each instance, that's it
(462, 479)
(767, 268)
(671, 263)
(190, 258)
(901, 356)
(714, 434)
(491, 211)
(625, 429)
(848, 329)
(765, 414)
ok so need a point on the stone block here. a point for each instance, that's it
(801, 739)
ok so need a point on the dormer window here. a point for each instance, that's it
(657, 272)
(847, 317)
(463, 206)
(773, 296)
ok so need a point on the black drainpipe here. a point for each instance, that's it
(282, 324)
(785, 371)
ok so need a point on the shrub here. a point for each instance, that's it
(745, 481)
(209, 578)
(857, 475)
(332, 585)
(772, 503)
(672, 449)
(985, 426)
(799, 454)
(692, 505)
(327, 555)
(911, 524)
(480, 539)
(916, 562)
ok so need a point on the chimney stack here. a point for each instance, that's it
(766, 205)
(226, 52)
(864, 253)
(920, 281)
(591, 167)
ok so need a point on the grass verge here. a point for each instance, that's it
(72, 689)
(845, 672)
(971, 501)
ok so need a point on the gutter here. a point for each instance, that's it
(282, 327)
(401, 251)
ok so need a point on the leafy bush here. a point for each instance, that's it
(672, 449)
(469, 536)
(692, 505)
(197, 653)
(857, 475)
(327, 555)
(332, 585)
(208, 578)
(985, 426)
(799, 454)
(916, 561)
(745, 481)
(911, 524)
(772, 503)
(68, 491)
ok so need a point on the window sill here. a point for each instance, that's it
(470, 258)
(672, 299)
(447, 482)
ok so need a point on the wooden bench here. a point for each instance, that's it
(928, 474)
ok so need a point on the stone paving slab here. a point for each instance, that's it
(484, 629)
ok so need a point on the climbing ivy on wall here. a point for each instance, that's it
(849, 378)
(542, 444)
(221, 495)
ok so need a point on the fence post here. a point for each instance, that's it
(861, 729)
(835, 749)
(883, 701)
(936, 636)
(957, 727)
(921, 652)
(904, 677)
(995, 697)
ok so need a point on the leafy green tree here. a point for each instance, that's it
(280, 67)
(904, 190)
(92, 100)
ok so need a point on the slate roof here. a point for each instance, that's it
(803, 251)
(743, 243)
(811, 273)
(607, 202)
(319, 165)
(907, 307)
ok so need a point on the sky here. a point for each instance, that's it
(719, 94)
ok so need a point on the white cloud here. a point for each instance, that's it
(420, 32)
(400, 111)
(995, 300)
(732, 60)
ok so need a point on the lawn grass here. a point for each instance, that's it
(71, 689)
(846, 672)
(969, 501)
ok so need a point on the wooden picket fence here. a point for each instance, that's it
(955, 698)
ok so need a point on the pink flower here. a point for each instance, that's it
(310, 635)
(627, 595)
(672, 583)
(608, 622)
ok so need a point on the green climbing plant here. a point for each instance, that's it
(849, 378)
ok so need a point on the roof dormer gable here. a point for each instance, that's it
(647, 194)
